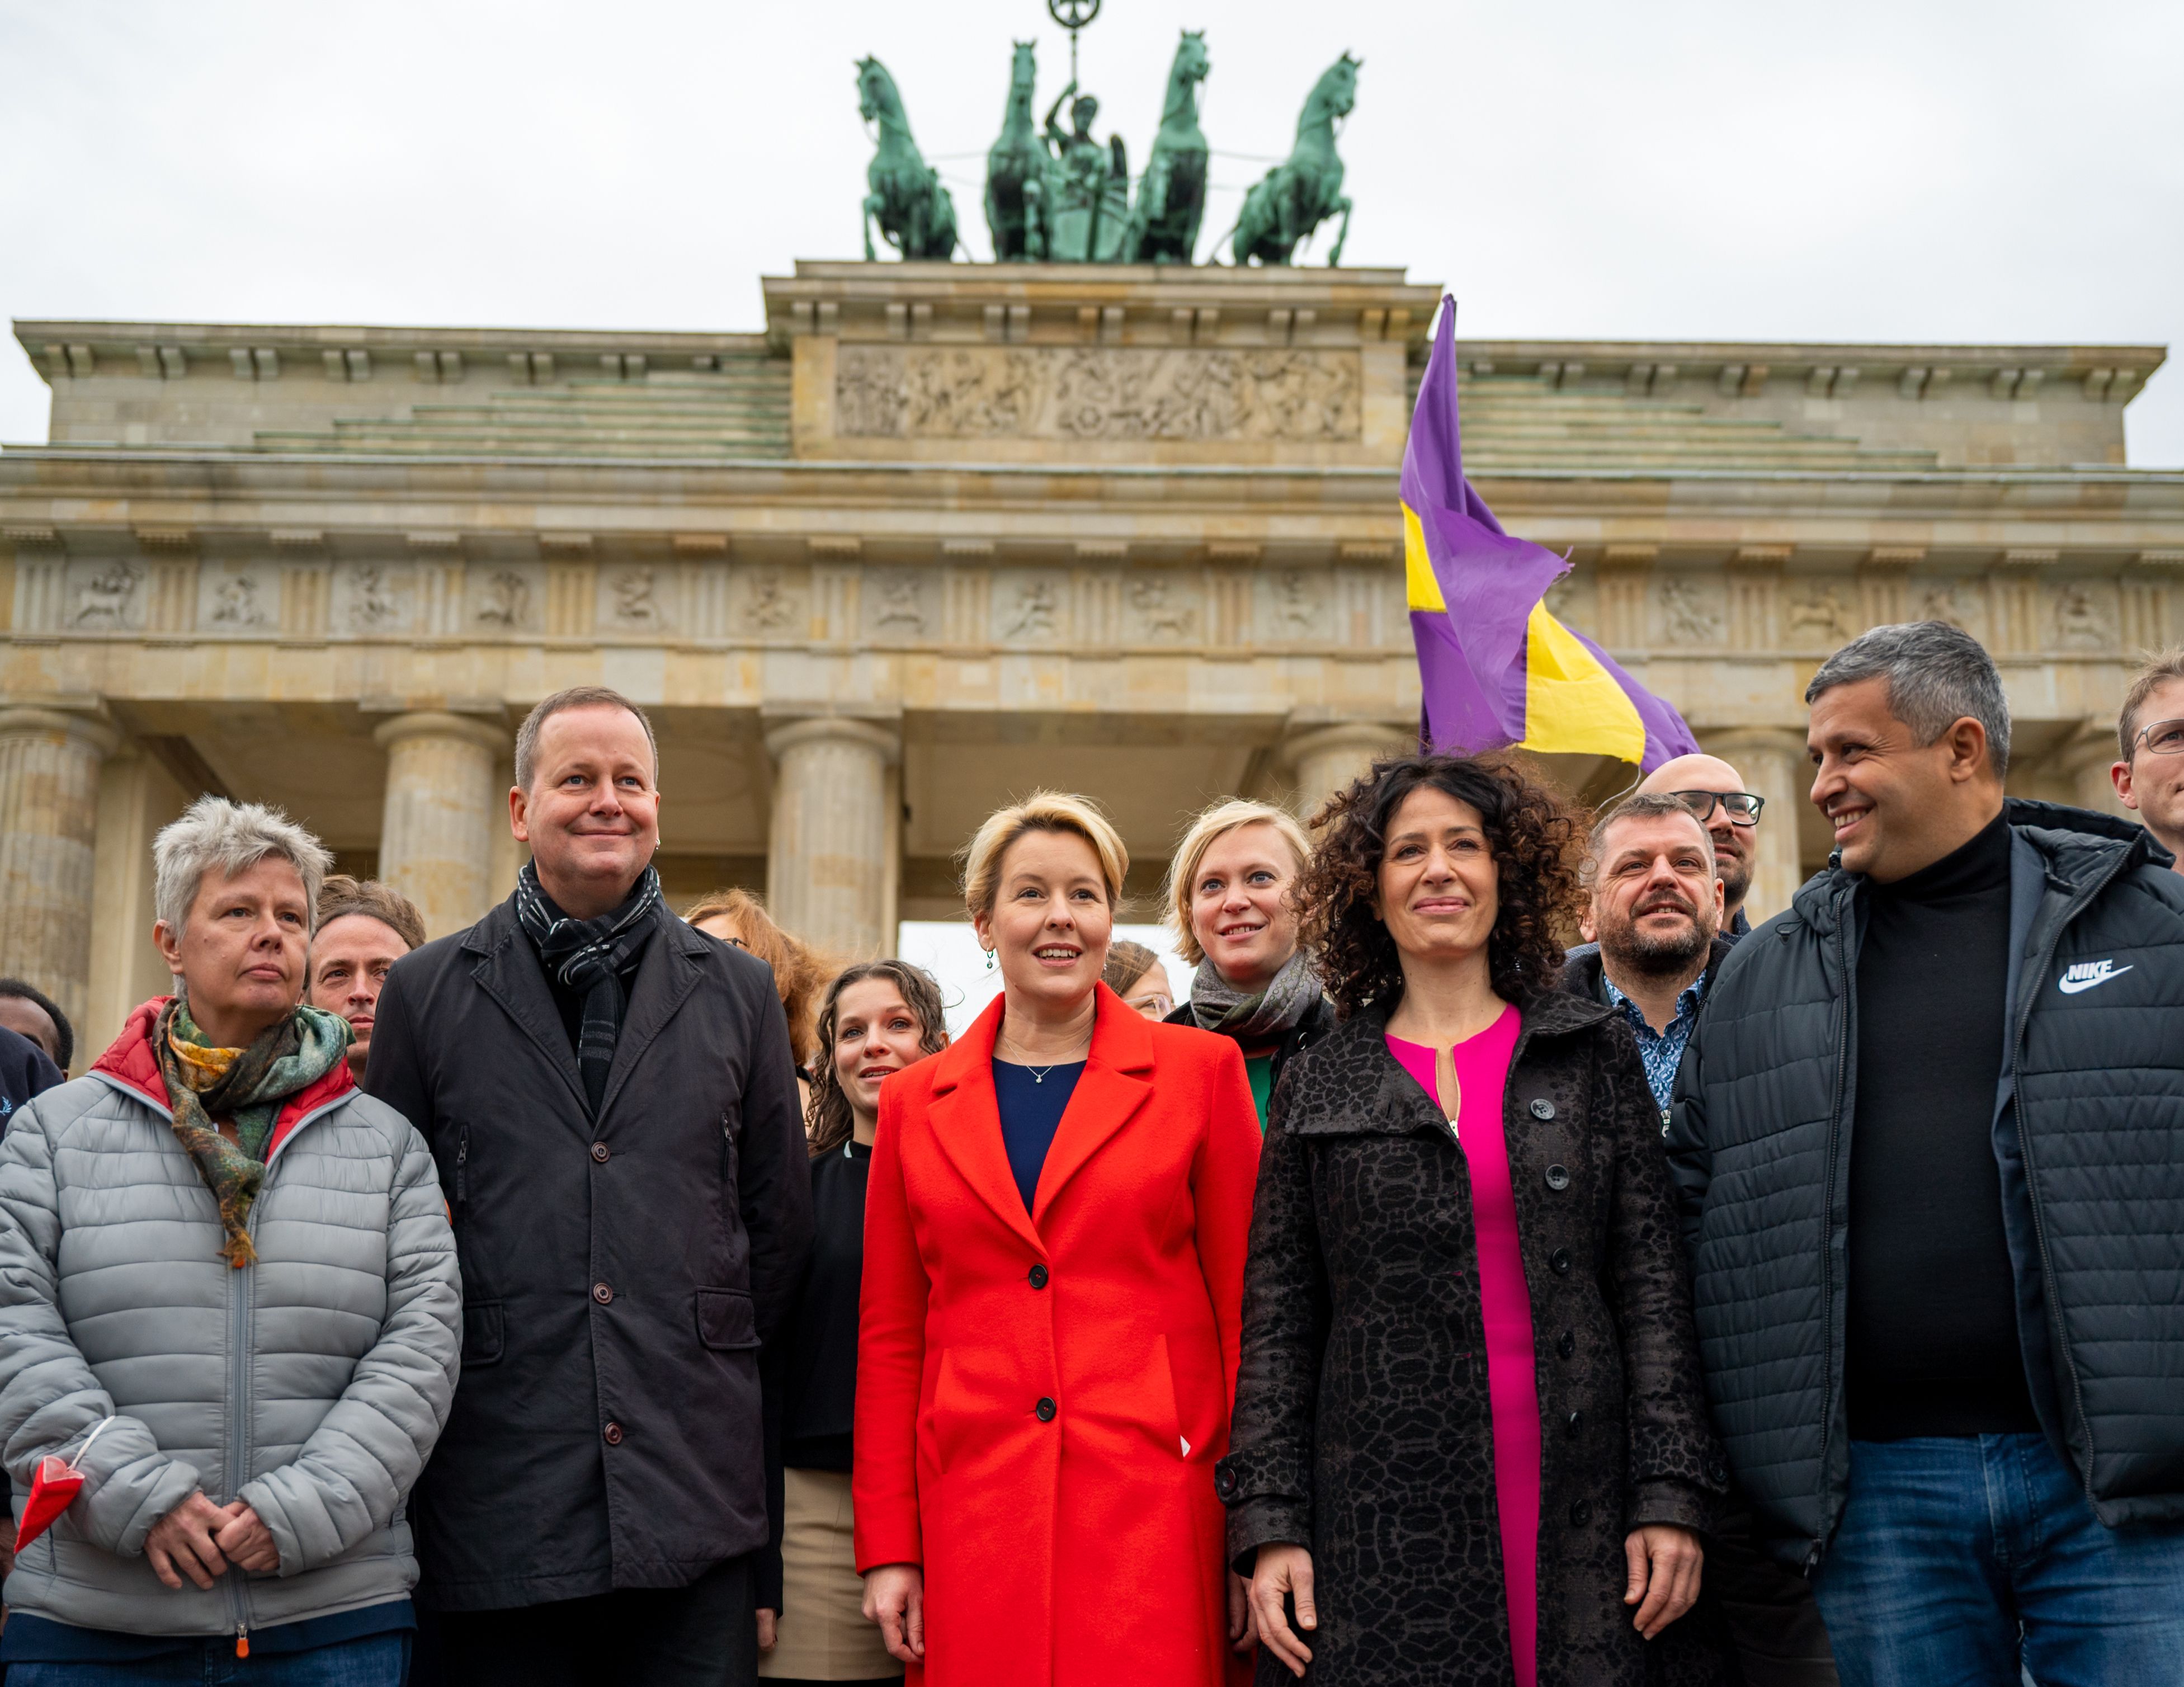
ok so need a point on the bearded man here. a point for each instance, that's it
(1653, 930)
(1656, 921)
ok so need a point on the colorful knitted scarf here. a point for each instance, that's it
(247, 1085)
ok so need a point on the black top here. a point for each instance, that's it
(24, 1071)
(819, 1359)
(1931, 1322)
(1031, 1112)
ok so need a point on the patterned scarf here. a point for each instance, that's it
(1218, 1005)
(247, 1085)
(588, 956)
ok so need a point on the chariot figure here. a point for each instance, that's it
(1086, 199)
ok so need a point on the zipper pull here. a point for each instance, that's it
(242, 1641)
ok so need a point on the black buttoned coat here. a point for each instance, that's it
(1363, 1424)
(619, 1273)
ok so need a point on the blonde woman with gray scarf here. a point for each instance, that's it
(1228, 900)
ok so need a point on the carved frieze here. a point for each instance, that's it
(105, 597)
(372, 598)
(1029, 608)
(2084, 619)
(236, 599)
(897, 604)
(1690, 614)
(1098, 393)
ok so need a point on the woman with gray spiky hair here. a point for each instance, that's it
(229, 1301)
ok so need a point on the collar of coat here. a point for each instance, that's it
(131, 1064)
(505, 964)
(2075, 846)
(1116, 1081)
(1351, 1084)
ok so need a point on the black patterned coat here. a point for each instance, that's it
(1362, 1427)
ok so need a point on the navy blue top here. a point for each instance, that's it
(25, 1072)
(40, 1640)
(1031, 1111)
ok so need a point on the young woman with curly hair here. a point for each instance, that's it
(876, 1018)
(1468, 1417)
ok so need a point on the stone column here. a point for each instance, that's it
(2085, 761)
(443, 806)
(830, 875)
(1774, 766)
(1324, 760)
(49, 768)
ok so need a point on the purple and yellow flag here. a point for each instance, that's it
(1497, 668)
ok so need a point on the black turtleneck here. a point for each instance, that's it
(1932, 1319)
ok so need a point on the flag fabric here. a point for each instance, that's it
(1495, 667)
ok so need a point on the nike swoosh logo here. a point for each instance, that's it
(2071, 987)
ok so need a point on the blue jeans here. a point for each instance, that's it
(375, 1660)
(1961, 1560)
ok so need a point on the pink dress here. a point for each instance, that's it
(1482, 1070)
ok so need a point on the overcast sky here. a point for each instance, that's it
(1918, 170)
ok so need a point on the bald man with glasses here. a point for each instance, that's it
(1715, 791)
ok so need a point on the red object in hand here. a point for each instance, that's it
(53, 1489)
(55, 1486)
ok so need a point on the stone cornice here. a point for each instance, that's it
(1781, 358)
(213, 342)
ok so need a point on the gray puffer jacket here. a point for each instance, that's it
(310, 1385)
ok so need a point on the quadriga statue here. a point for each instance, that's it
(1015, 168)
(1294, 198)
(913, 210)
(1171, 199)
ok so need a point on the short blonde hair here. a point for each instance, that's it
(1223, 817)
(1041, 811)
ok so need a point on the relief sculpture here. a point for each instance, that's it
(1098, 393)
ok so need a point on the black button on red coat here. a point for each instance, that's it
(1038, 1277)
(1045, 1409)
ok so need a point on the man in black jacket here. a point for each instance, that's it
(1930, 1136)
(612, 1102)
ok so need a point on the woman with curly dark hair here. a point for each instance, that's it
(1470, 1440)
(875, 1019)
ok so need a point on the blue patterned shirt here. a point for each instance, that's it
(1662, 1051)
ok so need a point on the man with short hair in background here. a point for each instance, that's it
(364, 927)
(612, 1102)
(1731, 813)
(1928, 1137)
(2149, 779)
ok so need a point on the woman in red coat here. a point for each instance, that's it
(1055, 1233)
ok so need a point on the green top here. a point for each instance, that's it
(1260, 1070)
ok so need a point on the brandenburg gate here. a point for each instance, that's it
(943, 532)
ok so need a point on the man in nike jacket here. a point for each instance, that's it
(1930, 1138)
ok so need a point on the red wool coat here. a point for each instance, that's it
(1041, 1397)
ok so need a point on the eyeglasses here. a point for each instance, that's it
(1743, 807)
(2162, 737)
